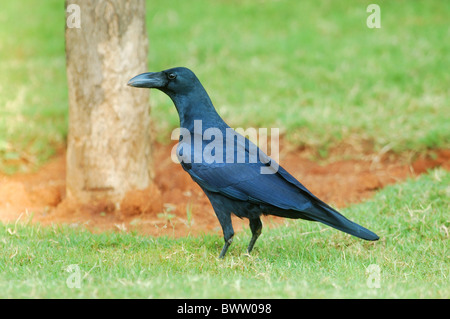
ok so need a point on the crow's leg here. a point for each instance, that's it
(222, 208)
(256, 228)
(225, 247)
(227, 228)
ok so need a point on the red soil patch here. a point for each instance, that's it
(174, 205)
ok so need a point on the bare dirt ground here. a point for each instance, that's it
(175, 206)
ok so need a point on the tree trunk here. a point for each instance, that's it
(109, 146)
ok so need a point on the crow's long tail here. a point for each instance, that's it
(327, 215)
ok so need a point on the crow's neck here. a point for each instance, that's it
(196, 106)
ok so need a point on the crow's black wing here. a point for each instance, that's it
(245, 182)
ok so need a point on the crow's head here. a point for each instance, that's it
(172, 81)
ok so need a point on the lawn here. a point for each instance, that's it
(297, 260)
(311, 68)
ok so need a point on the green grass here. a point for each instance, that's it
(311, 68)
(33, 87)
(298, 260)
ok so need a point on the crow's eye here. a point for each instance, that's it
(171, 76)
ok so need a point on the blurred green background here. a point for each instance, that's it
(312, 68)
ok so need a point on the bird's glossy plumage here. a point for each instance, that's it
(234, 186)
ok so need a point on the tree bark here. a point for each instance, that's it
(109, 142)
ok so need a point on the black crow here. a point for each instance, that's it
(233, 172)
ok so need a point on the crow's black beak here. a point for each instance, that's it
(149, 80)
